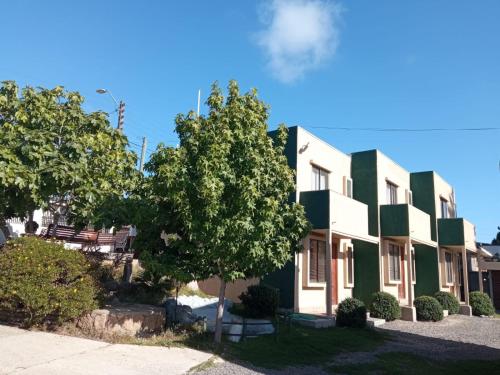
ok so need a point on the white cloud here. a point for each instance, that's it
(298, 36)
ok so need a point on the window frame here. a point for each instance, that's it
(391, 190)
(445, 213)
(348, 187)
(409, 197)
(413, 266)
(448, 268)
(317, 173)
(348, 268)
(390, 279)
(317, 281)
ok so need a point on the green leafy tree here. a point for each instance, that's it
(496, 240)
(228, 186)
(58, 157)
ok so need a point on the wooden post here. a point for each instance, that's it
(409, 261)
(328, 273)
(465, 279)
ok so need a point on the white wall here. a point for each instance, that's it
(387, 169)
(312, 150)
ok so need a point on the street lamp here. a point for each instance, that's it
(121, 107)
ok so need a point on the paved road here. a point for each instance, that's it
(25, 352)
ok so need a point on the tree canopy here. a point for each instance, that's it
(56, 156)
(228, 188)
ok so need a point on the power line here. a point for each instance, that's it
(407, 129)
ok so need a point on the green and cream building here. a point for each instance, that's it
(375, 227)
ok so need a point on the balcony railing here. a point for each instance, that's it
(343, 215)
(457, 232)
(404, 220)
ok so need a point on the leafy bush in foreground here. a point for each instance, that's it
(448, 301)
(385, 306)
(351, 312)
(481, 304)
(428, 309)
(260, 301)
(45, 282)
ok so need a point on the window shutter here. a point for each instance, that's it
(321, 261)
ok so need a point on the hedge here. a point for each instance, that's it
(428, 309)
(448, 301)
(45, 282)
(351, 312)
(481, 304)
(385, 306)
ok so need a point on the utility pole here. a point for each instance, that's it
(143, 154)
(121, 115)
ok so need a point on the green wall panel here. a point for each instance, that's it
(422, 186)
(451, 232)
(284, 280)
(366, 270)
(427, 269)
(317, 207)
(364, 176)
(394, 220)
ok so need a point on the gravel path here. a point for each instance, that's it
(456, 337)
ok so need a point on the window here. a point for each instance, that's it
(413, 268)
(409, 197)
(448, 264)
(394, 262)
(444, 208)
(347, 187)
(349, 266)
(319, 178)
(392, 193)
(459, 269)
(317, 255)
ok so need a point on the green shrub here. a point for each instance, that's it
(260, 301)
(385, 306)
(448, 301)
(351, 312)
(481, 304)
(428, 309)
(45, 282)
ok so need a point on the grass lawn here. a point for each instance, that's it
(302, 346)
(405, 363)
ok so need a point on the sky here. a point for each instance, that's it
(318, 64)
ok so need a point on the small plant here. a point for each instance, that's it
(428, 309)
(385, 306)
(45, 282)
(260, 301)
(481, 304)
(351, 312)
(448, 301)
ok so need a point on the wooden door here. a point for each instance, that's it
(335, 294)
(401, 287)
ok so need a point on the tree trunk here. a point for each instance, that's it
(220, 312)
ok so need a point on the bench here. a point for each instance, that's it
(69, 234)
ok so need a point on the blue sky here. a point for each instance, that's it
(354, 64)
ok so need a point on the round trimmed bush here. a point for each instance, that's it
(481, 304)
(428, 309)
(351, 312)
(260, 301)
(448, 301)
(44, 282)
(385, 306)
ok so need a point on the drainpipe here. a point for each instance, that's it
(466, 276)
(328, 271)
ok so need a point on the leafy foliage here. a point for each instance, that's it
(58, 157)
(45, 281)
(448, 301)
(481, 304)
(351, 312)
(428, 309)
(260, 301)
(226, 189)
(385, 306)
